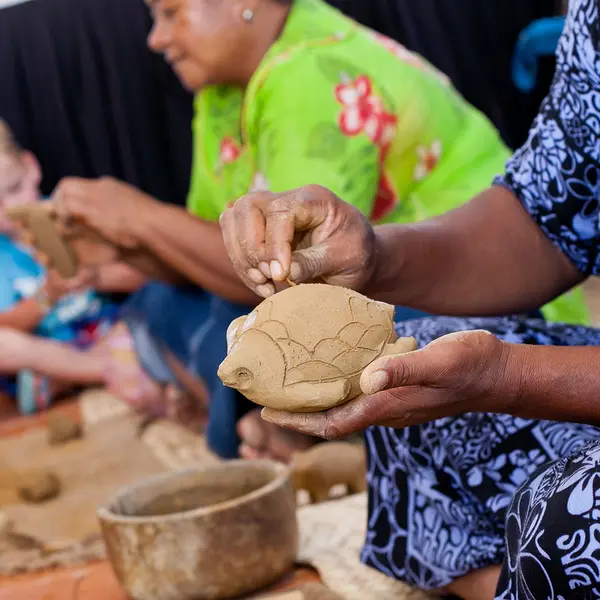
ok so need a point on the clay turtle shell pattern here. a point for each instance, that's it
(304, 349)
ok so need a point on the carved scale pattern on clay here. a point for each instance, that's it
(305, 348)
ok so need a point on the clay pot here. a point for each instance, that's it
(203, 534)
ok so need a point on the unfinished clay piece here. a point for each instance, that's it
(38, 220)
(326, 465)
(304, 349)
(62, 429)
(40, 487)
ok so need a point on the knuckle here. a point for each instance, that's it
(399, 372)
(315, 191)
(333, 430)
(280, 206)
(226, 219)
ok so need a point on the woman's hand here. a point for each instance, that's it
(110, 208)
(302, 235)
(461, 372)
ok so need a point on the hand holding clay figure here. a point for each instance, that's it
(304, 235)
(109, 208)
(458, 373)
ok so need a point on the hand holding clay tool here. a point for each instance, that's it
(304, 349)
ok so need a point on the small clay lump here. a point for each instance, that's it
(40, 487)
(62, 429)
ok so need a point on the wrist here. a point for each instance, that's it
(44, 300)
(142, 228)
(511, 366)
(385, 265)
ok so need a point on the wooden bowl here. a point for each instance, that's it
(203, 534)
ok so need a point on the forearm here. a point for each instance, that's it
(25, 316)
(119, 278)
(487, 257)
(194, 249)
(553, 383)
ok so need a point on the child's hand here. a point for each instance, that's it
(57, 287)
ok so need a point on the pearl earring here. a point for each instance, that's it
(248, 15)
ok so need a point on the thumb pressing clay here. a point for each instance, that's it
(304, 349)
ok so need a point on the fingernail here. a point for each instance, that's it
(265, 269)
(256, 276)
(265, 290)
(276, 270)
(295, 271)
(377, 382)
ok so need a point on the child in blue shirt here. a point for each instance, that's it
(53, 333)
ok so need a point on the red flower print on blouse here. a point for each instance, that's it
(386, 200)
(230, 150)
(429, 157)
(364, 112)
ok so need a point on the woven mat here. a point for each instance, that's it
(65, 532)
(331, 537)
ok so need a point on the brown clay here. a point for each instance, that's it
(304, 349)
(213, 533)
(310, 591)
(62, 429)
(40, 487)
(329, 464)
(39, 221)
(66, 248)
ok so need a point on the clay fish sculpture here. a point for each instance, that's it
(304, 349)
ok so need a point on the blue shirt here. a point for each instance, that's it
(21, 276)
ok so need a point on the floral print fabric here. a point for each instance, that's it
(556, 174)
(336, 104)
(464, 493)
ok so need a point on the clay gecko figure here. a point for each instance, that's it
(329, 464)
(304, 349)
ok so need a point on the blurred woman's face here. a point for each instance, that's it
(202, 40)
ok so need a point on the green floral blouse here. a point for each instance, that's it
(336, 104)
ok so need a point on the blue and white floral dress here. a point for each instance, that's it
(464, 493)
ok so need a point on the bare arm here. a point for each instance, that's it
(160, 240)
(118, 278)
(194, 249)
(486, 257)
(24, 316)
(552, 382)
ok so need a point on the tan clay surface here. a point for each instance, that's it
(90, 469)
(304, 349)
(40, 487)
(40, 223)
(95, 580)
(310, 591)
(63, 429)
(203, 534)
(327, 465)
